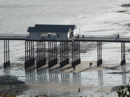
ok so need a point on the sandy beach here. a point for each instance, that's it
(91, 17)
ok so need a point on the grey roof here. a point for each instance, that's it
(51, 28)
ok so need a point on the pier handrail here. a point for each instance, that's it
(103, 38)
(13, 36)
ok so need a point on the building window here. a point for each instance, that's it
(58, 35)
(49, 35)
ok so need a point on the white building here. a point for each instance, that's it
(51, 32)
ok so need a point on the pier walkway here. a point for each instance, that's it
(94, 38)
(47, 52)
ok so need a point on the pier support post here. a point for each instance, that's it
(99, 53)
(41, 54)
(64, 54)
(29, 54)
(123, 60)
(6, 54)
(75, 53)
(52, 54)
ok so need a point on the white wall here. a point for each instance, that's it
(37, 36)
(69, 34)
(62, 36)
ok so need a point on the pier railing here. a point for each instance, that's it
(103, 38)
(107, 38)
(13, 36)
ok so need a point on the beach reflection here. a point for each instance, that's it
(65, 79)
(30, 75)
(42, 75)
(53, 75)
(46, 75)
(71, 78)
(7, 71)
(124, 75)
(100, 77)
(77, 78)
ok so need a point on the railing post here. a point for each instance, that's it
(123, 60)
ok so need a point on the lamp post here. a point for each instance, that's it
(79, 31)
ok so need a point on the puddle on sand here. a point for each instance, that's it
(46, 76)
(53, 84)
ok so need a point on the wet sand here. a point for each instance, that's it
(65, 81)
(69, 84)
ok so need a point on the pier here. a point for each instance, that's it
(57, 44)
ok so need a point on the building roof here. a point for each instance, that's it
(51, 28)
